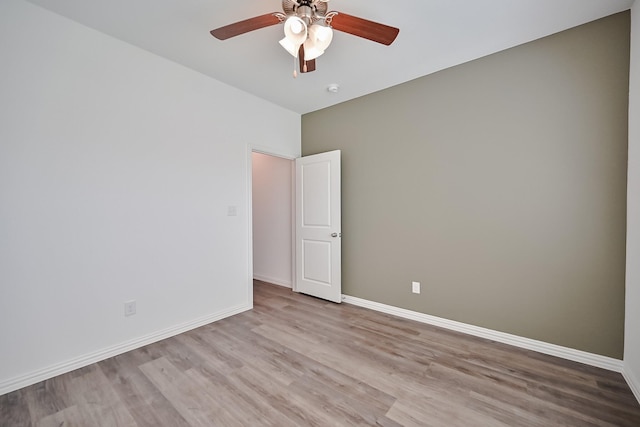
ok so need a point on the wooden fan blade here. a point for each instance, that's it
(245, 26)
(364, 28)
(310, 65)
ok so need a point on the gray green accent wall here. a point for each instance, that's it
(499, 184)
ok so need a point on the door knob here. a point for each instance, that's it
(334, 234)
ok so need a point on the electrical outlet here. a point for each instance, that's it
(415, 287)
(130, 308)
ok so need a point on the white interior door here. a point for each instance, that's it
(318, 226)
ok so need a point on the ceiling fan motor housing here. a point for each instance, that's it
(308, 10)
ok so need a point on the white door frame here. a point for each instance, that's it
(251, 148)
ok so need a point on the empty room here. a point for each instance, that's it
(303, 212)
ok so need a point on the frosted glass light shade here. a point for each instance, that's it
(290, 47)
(295, 30)
(295, 34)
(321, 36)
(295, 25)
(319, 39)
(311, 51)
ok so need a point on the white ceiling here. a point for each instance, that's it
(434, 34)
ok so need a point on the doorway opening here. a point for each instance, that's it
(272, 202)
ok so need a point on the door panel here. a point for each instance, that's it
(318, 226)
(317, 261)
(316, 195)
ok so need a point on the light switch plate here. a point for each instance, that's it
(129, 308)
(415, 287)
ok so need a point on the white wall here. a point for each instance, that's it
(632, 297)
(272, 219)
(116, 171)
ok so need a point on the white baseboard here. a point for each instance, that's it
(596, 360)
(30, 378)
(632, 380)
(272, 280)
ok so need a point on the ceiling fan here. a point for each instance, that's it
(308, 29)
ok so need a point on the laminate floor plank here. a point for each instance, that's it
(247, 398)
(68, 417)
(297, 408)
(146, 404)
(284, 364)
(534, 408)
(188, 397)
(337, 405)
(258, 389)
(408, 412)
(252, 349)
(207, 354)
(228, 397)
(14, 409)
(47, 397)
(98, 401)
(295, 360)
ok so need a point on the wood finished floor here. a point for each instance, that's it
(295, 361)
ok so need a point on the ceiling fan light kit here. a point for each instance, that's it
(308, 29)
